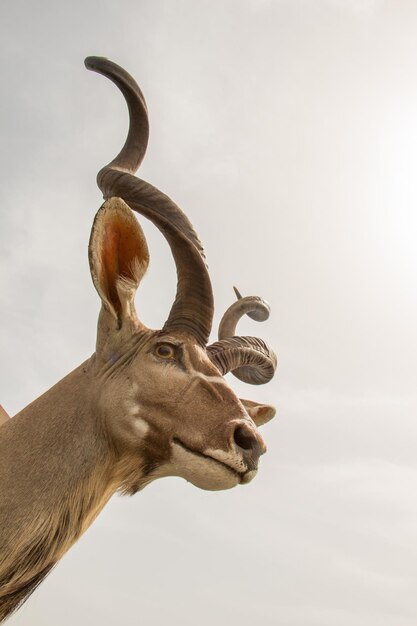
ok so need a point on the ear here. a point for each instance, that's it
(119, 257)
(260, 413)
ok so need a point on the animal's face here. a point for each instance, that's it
(162, 395)
(171, 408)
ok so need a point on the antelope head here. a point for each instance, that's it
(148, 403)
(161, 394)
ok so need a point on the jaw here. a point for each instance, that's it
(203, 471)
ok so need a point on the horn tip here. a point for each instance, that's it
(237, 292)
(92, 62)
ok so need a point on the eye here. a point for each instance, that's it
(165, 351)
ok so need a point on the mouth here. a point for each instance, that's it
(241, 477)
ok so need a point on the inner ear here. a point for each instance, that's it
(260, 413)
(118, 255)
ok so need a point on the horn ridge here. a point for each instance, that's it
(133, 151)
(255, 307)
(114, 182)
(192, 310)
(248, 358)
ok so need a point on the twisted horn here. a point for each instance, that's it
(192, 310)
(255, 307)
(249, 358)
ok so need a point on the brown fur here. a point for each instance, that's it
(4, 417)
(13, 600)
(125, 417)
(47, 501)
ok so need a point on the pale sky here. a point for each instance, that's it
(287, 131)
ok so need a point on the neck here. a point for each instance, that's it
(56, 473)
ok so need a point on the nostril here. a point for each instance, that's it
(244, 438)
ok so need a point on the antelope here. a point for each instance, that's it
(148, 403)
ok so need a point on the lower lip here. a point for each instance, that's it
(243, 479)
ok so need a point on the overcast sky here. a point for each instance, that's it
(287, 131)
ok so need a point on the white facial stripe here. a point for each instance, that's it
(202, 472)
(141, 426)
(229, 458)
(132, 406)
(213, 383)
(134, 409)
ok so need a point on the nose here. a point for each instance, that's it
(249, 443)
